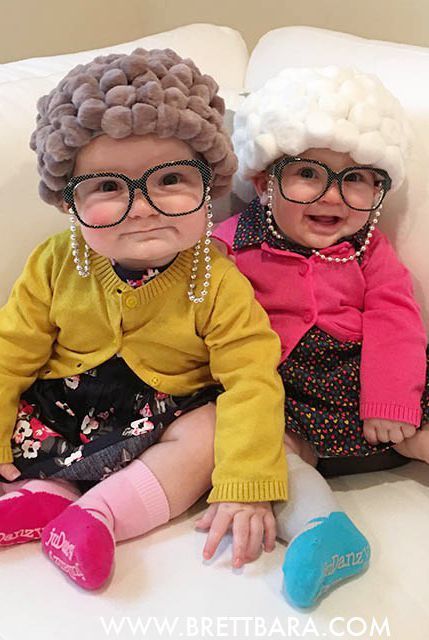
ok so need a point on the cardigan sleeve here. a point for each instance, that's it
(26, 338)
(393, 361)
(250, 463)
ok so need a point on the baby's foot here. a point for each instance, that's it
(416, 447)
(81, 545)
(23, 514)
(329, 551)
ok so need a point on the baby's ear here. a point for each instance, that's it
(260, 182)
(64, 208)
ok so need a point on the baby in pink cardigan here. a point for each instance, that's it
(322, 148)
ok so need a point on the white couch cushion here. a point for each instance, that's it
(404, 70)
(219, 51)
(25, 219)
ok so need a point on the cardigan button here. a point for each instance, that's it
(131, 302)
(303, 269)
(307, 317)
(155, 380)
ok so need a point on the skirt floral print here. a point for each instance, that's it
(85, 427)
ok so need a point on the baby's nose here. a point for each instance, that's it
(332, 194)
(141, 206)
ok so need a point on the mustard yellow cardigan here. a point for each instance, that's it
(57, 324)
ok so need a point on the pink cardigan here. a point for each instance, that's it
(370, 302)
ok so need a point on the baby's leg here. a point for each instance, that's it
(416, 447)
(28, 505)
(324, 547)
(162, 483)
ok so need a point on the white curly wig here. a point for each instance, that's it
(343, 110)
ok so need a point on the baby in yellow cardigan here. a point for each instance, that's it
(128, 342)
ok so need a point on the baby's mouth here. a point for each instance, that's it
(326, 221)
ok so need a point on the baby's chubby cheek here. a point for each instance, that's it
(102, 214)
(100, 240)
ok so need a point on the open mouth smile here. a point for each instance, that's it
(325, 221)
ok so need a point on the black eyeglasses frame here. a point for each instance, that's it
(138, 183)
(333, 176)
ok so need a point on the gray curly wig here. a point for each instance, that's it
(120, 95)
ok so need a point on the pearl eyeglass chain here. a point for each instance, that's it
(196, 257)
(279, 236)
(82, 267)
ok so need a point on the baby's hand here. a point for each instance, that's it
(377, 430)
(9, 471)
(253, 527)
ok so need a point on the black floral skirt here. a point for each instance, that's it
(322, 385)
(85, 427)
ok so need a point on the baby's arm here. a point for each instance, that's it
(250, 468)
(393, 361)
(26, 338)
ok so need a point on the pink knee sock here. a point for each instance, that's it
(28, 505)
(81, 540)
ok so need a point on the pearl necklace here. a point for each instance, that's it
(83, 268)
(316, 252)
(196, 258)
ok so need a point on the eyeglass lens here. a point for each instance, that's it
(306, 181)
(104, 199)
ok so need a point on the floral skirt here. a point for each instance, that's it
(85, 427)
(322, 385)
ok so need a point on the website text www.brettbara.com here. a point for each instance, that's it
(154, 627)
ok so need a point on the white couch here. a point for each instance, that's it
(161, 578)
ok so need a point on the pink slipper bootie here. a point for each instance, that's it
(23, 516)
(81, 545)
